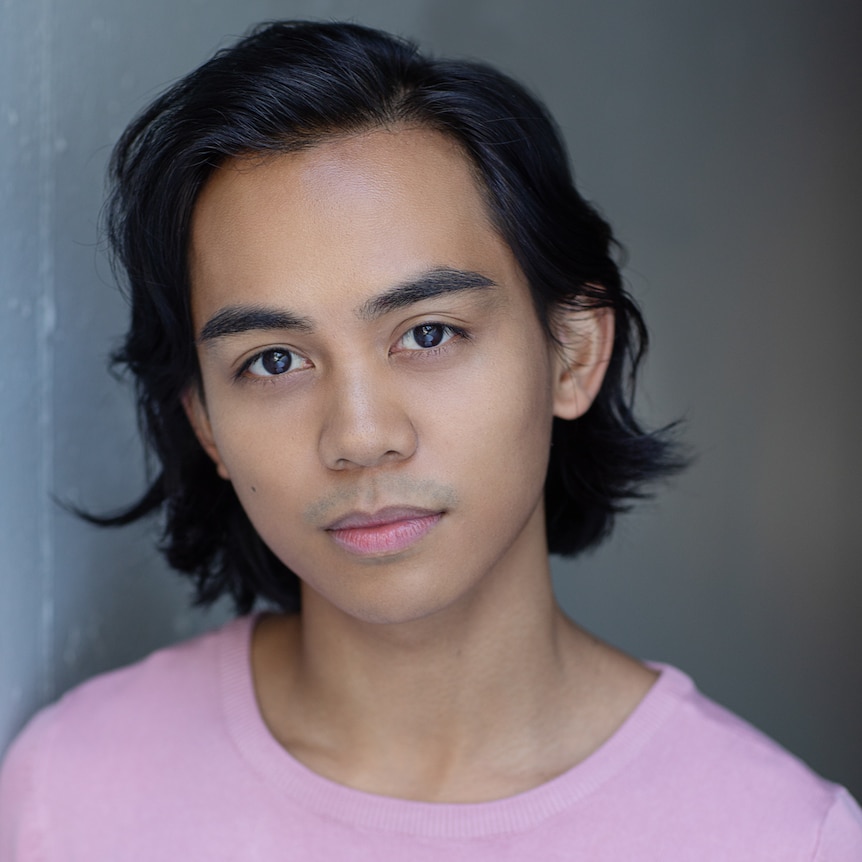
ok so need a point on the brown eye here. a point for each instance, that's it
(428, 335)
(275, 362)
(271, 363)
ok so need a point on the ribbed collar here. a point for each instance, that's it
(291, 779)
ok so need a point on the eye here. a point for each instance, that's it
(427, 335)
(273, 362)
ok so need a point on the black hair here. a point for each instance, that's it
(289, 85)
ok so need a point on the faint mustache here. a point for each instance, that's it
(392, 491)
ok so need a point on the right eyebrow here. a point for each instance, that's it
(435, 282)
(236, 319)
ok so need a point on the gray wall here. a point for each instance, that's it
(723, 140)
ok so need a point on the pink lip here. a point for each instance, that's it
(386, 531)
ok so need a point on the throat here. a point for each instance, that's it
(440, 735)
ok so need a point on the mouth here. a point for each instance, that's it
(386, 531)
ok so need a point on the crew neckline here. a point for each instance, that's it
(290, 778)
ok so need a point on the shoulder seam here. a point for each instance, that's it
(837, 792)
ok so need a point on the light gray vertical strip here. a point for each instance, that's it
(21, 653)
(46, 311)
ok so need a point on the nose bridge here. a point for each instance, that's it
(366, 422)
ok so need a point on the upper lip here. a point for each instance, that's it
(388, 515)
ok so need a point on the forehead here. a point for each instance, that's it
(345, 218)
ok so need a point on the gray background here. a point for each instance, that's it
(723, 139)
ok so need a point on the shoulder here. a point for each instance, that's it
(133, 720)
(710, 737)
(165, 686)
(716, 768)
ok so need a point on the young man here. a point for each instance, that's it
(381, 350)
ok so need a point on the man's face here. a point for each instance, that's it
(376, 384)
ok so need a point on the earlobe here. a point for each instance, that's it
(585, 343)
(199, 420)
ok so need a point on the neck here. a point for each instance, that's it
(439, 677)
(481, 700)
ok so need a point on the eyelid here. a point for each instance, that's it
(453, 332)
(242, 372)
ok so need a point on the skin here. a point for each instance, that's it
(407, 643)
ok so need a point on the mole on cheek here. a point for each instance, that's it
(253, 489)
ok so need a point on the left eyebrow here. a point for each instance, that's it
(435, 282)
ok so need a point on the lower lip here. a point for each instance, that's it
(385, 538)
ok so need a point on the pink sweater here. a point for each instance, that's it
(170, 760)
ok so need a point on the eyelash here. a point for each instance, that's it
(454, 333)
(242, 372)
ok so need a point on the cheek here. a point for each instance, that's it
(263, 450)
(495, 425)
(272, 485)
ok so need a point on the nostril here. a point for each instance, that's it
(366, 432)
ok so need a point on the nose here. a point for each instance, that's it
(366, 425)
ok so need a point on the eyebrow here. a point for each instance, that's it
(435, 282)
(237, 319)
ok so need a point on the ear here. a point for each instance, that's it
(198, 417)
(585, 341)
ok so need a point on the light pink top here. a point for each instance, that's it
(170, 760)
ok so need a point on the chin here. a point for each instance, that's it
(386, 602)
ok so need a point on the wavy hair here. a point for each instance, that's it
(287, 86)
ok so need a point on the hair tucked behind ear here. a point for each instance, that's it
(290, 85)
